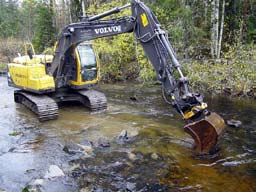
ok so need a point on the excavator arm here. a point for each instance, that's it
(204, 126)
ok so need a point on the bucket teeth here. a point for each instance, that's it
(206, 132)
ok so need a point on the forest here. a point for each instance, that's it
(213, 39)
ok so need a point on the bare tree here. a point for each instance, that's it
(217, 27)
(213, 28)
(221, 28)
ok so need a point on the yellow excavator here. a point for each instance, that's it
(72, 72)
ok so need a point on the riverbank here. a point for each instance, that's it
(2, 68)
(231, 78)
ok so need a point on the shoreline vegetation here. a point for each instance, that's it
(233, 75)
(230, 77)
(222, 77)
(2, 68)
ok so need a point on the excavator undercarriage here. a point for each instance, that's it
(46, 106)
(42, 105)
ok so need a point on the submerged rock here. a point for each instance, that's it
(20, 149)
(130, 186)
(33, 139)
(38, 182)
(125, 137)
(234, 123)
(86, 148)
(104, 143)
(74, 148)
(86, 189)
(123, 170)
(28, 171)
(132, 156)
(154, 156)
(54, 171)
(123, 134)
(133, 98)
(31, 188)
(99, 189)
(86, 143)
(191, 188)
(73, 167)
(67, 150)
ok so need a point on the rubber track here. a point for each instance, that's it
(96, 101)
(45, 107)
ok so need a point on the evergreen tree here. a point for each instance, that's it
(45, 32)
(9, 19)
(28, 14)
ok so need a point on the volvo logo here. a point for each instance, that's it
(111, 29)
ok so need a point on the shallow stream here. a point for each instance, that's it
(155, 155)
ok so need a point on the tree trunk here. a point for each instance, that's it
(68, 10)
(221, 28)
(205, 11)
(53, 9)
(83, 8)
(216, 28)
(216, 38)
(213, 28)
(244, 26)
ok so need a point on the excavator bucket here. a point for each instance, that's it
(206, 132)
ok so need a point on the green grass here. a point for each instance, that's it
(15, 133)
(2, 66)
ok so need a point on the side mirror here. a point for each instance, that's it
(30, 54)
(100, 55)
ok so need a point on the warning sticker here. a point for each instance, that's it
(144, 19)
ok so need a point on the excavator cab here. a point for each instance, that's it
(86, 71)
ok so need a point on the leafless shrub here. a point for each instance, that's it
(9, 48)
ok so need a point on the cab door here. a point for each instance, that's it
(86, 65)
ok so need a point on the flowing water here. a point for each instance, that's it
(155, 156)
